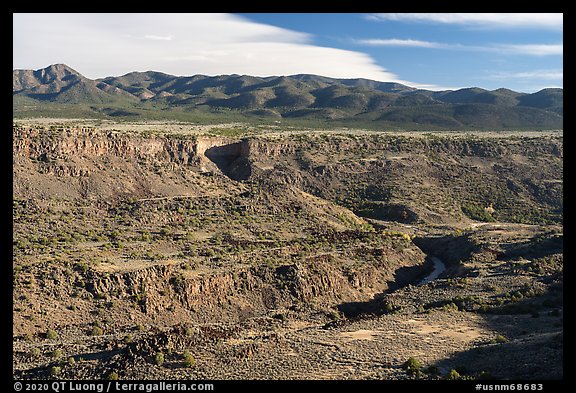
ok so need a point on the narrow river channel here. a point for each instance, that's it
(439, 267)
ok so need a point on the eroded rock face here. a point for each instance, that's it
(235, 293)
(91, 144)
(102, 165)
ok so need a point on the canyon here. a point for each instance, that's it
(264, 254)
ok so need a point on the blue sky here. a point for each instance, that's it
(489, 51)
(522, 52)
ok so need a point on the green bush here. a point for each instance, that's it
(412, 365)
(51, 335)
(450, 307)
(178, 282)
(96, 331)
(476, 212)
(83, 267)
(55, 370)
(189, 331)
(499, 339)
(453, 375)
(113, 376)
(189, 360)
(159, 358)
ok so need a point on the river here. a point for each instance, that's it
(439, 267)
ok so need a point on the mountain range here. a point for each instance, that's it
(61, 91)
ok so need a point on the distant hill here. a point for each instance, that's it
(60, 83)
(62, 90)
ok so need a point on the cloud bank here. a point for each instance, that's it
(100, 45)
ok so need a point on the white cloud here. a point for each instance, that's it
(100, 45)
(158, 37)
(532, 49)
(528, 81)
(399, 42)
(557, 75)
(519, 49)
(550, 21)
